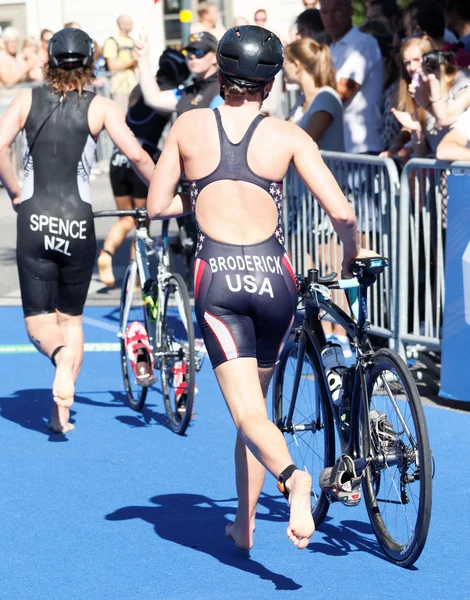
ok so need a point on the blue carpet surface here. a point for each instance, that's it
(123, 509)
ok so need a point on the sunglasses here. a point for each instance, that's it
(197, 52)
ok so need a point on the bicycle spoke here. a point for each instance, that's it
(309, 435)
(398, 494)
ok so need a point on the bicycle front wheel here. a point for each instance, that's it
(397, 484)
(305, 419)
(131, 309)
(178, 360)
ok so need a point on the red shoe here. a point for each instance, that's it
(179, 371)
(140, 353)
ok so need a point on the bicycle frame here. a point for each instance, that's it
(318, 298)
(139, 264)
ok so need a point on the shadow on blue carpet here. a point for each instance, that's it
(195, 521)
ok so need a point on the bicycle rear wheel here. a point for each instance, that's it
(397, 484)
(131, 309)
(309, 433)
(178, 361)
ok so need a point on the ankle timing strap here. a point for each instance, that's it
(54, 354)
(283, 477)
(104, 251)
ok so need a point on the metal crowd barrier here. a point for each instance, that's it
(401, 218)
(371, 185)
(421, 242)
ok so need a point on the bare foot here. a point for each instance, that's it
(105, 269)
(301, 525)
(59, 422)
(242, 538)
(63, 387)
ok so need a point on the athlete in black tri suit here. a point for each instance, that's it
(245, 290)
(55, 233)
(147, 125)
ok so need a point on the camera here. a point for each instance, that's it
(433, 59)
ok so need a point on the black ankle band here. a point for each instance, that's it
(54, 354)
(283, 477)
(106, 252)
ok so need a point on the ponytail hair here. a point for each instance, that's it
(315, 58)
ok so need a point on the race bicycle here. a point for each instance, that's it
(162, 306)
(379, 421)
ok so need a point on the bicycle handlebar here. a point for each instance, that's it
(134, 212)
(365, 270)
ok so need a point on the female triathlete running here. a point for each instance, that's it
(55, 233)
(245, 291)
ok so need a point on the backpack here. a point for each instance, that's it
(119, 48)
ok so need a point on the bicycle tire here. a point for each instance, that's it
(416, 454)
(312, 449)
(178, 397)
(136, 394)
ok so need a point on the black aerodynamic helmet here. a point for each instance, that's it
(70, 49)
(250, 54)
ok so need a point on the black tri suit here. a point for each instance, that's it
(147, 125)
(245, 295)
(56, 244)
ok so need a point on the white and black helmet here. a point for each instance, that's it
(70, 49)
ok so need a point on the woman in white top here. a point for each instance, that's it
(318, 110)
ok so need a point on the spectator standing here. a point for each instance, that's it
(239, 21)
(455, 145)
(29, 55)
(427, 16)
(458, 18)
(13, 68)
(319, 112)
(122, 61)
(311, 4)
(384, 10)
(359, 76)
(390, 126)
(310, 25)
(202, 92)
(261, 18)
(318, 109)
(209, 17)
(414, 113)
(44, 38)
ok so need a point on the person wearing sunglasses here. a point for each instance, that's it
(204, 89)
